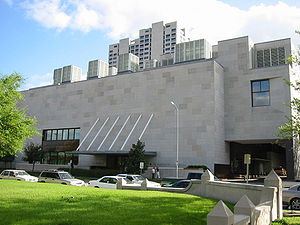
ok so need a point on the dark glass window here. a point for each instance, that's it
(48, 135)
(54, 135)
(77, 134)
(260, 91)
(65, 134)
(71, 134)
(61, 134)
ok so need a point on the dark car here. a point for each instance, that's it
(181, 184)
(194, 176)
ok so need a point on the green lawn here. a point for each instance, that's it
(40, 203)
(288, 221)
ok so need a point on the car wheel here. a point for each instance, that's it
(96, 187)
(295, 203)
(64, 183)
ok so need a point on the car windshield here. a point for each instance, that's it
(139, 178)
(128, 181)
(65, 176)
(21, 173)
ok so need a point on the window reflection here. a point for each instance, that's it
(61, 134)
(260, 93)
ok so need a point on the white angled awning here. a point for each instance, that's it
(115, 134)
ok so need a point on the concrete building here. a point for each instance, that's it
(97, 69)
(229, 105)
(153, 42)
(67, 74)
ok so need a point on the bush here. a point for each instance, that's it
(197, 166)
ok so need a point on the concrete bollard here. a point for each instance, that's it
(144, 185)
(245, 207)
(261, 214)
(119, 184)
(207, 176)
(220, 214)
(273, 180)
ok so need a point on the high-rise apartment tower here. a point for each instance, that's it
(152, 42)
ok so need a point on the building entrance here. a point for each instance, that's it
(264, 158)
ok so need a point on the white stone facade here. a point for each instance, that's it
(215, 100)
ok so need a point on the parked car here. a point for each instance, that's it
(179, 184)
(169, 181)
(17, 175)
(138, 179)
(61, 177)
(291, 197)
(109, 182)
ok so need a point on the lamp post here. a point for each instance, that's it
(177, 136)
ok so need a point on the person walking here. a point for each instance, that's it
(153, 172)
(157, 173)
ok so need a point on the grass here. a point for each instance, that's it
(287, 221)
(25, 203)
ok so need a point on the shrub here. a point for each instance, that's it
(197, 166)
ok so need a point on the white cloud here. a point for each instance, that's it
(85, 19)
(212, 19)
(50, 14)
(38, 81)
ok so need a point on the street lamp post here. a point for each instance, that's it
(177, 136)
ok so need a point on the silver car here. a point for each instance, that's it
(291, 197)
(17, 175)
(61, 177)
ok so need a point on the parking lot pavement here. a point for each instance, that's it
(285, 184)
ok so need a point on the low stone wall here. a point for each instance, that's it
(229, 192)
(255, 203)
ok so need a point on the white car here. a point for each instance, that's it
(60, 177)
(17, 175)
(138, 179)
(109, 182)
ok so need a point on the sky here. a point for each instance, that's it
(38, 36)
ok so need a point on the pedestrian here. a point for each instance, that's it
(153, 172)
(157, 173)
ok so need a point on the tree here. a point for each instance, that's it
(136, 155)
(15, 125)
(7, 159)
(291, 129)
(33, 153)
